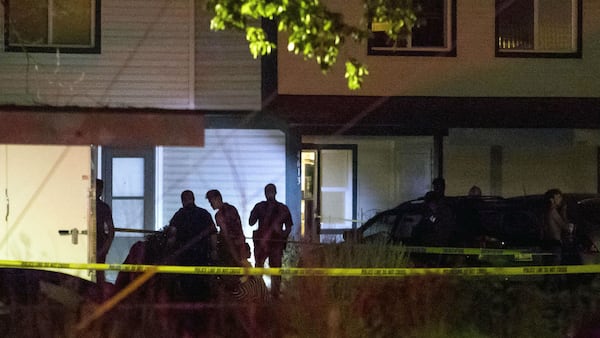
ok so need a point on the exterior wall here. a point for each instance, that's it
(227, 76)
(394, 170)
(385, 169)
(237, 162)
(155, 53)
(146, 61)
(475, 71)
(533, 161)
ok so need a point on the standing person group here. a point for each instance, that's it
(192, 238)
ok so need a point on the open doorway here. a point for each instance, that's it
(328, 191)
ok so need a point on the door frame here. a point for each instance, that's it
(317, 211)
(149, 155)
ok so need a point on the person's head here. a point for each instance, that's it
(439, 185)
(99, 187)
(475, 191)
(432, 199)
(214, 198)
(187, 198)
(553, 198)
(270, 191)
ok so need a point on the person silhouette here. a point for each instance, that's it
(270, 238)
(193, 236)
(231, 235)
(105, 230)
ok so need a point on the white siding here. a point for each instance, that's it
(227, 76)
(145, 62)
(239, 163)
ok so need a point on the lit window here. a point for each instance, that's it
(434, 35)
(538, 28)
(72, 26)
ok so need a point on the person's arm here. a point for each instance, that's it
(288, 223)
(214, 255)
(560, 223)
(110, 229)
(253, 216)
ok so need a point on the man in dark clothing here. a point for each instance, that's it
(105, 230)
(194, 231)
(271, 237)
(193, 235)
(435, 228)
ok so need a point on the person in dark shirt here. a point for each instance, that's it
(435, 228)
(194, 232)
(193, 238)
(271, 237)
(105, 229)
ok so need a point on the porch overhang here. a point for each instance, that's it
(372, 115)
(131, 127)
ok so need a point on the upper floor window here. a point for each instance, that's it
(71, 26)
(538, 28)
(434, 35)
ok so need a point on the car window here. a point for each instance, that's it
(590, 212)
(382, 224)
(406, 225)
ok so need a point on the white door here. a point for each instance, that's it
(45, 189)
(337, 190)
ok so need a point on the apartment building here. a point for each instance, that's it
(499, 94)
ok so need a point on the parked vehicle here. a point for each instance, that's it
(484, 222)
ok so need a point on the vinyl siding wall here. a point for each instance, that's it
(145, 61)
(237, 162)
(155, 53)
(227, 76)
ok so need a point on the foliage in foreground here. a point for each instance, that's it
(418, 306)
(314, 31)
(435, 305)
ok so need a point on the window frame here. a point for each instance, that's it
(149, 197)
(94, 48)
(521, 53)
(450, 32)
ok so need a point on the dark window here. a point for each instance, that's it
(435, 33)
(538, 28)
(71, 26)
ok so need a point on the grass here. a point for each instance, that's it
(316, 306)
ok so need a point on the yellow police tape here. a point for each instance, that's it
(329, 272)
(464, 251)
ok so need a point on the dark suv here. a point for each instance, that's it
(483, 222)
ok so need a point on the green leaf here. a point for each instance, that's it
(313, 30)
